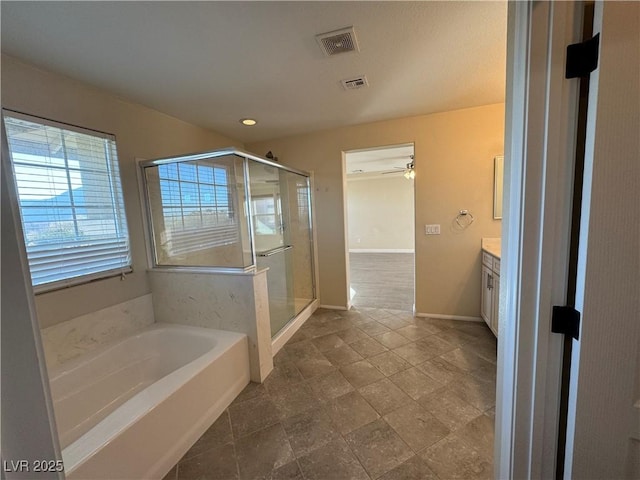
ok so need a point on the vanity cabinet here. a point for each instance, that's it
(490, 291)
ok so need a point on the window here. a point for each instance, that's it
(266, 215)
(71, 203)
(197, 206)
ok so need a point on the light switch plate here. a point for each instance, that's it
(432, 229)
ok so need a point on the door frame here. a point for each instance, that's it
(603, 419)
(29, 433)
(345, 196)
(540, 131)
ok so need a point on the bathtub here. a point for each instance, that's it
(131, 409)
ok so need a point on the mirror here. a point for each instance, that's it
(498, 168)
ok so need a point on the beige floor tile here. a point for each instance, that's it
(479, 433)
(378, 313)
(333, 461)
(441, 370)
(451, 458)
(309, 430)
(217, 435)
(172, 474)
(415, 383)
(378, 447)
(252, 415)
(352, 335)
(301, 350)
(413, 332)
(327, 342)
(435, 345)
(252, 390)
(361, 373)
(349, 412)
(384, 396)
(456, 337)
(487, 349)
(307, 408)
(295, 399)
(413, 353)
(413, 469)
(479, 393)
(298, 337)
(373, 328)
(217, 464)
(389, 363)
(393, 322)
(448, 408)
(290, 471)
(392, 339)
(487, 374)
(330, 386)
(416, 426)
(283, 375)
(368, 347)
(262, 452)
(466, 360)
(342, 356)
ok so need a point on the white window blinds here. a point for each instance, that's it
(71, 203)
(197, 206)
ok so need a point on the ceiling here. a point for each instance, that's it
(213, 63)
(362, 164)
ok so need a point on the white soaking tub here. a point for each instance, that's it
(131, 409)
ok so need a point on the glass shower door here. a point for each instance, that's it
(297, 233)
(282, 236)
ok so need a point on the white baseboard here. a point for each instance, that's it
(334, 307)
(381, 250)
(290, 329)
(449, 317)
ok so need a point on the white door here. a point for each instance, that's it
(603, 421)
(603, 425)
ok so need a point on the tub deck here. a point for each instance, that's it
(133, 408)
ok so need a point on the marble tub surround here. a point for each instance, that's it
(337, 408)
(224, 301)
(492, 246)
(70, 339)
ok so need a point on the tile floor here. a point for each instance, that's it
(363, 394)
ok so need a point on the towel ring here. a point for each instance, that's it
(466, 214)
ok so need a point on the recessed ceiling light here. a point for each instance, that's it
(249, 122)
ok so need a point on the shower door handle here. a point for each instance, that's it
(273, 251)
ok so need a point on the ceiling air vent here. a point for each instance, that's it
(338, 41)
(355, 83)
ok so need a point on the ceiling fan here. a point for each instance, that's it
(408, 171)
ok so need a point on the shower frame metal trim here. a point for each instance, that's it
(253, 268)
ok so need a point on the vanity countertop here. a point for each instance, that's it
(492, 246)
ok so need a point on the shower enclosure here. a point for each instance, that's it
(228, 211)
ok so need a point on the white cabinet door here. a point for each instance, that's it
(486, 306)
(496, 303)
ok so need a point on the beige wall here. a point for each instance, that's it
(380, 213)
(140, 133)
(454, 170)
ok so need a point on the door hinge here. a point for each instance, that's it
(582, 58)
(565, 320)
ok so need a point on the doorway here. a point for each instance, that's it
(381, 227)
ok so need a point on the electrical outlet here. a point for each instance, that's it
(432, 229)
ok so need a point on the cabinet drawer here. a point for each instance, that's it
(496, 265)
(487, 260)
